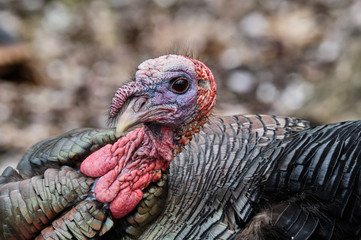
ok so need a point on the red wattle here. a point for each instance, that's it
(99, 162)
(107, 187)
(157, 176)
(127, 167)
(142, 182)
(125, 202)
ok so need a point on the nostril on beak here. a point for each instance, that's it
(140, 103)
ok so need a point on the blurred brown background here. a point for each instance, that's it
(61, 61)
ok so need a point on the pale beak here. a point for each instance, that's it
(139, 110)
(131, 115)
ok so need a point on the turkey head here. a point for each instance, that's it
(171, 96)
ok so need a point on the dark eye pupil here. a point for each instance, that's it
(180, 86)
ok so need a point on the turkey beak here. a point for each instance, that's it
(133, 114)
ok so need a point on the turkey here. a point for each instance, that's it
(241, 177)
(171, 96)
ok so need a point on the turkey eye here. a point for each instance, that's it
(180, 85)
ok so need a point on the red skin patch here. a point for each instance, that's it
(128, 166)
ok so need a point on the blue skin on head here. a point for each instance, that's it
(185, 103)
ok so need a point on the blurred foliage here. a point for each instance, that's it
(299, 58)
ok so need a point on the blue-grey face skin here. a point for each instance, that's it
(164, 92)
(162, 74)
(184, 102)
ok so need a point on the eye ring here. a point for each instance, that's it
(180, 85)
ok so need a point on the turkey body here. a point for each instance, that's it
(231, 184)
(241, 177)
(205, 170)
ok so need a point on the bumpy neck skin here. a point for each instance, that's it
(162, 142)
(129, 165)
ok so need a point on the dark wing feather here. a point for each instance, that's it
(42, 190)
(323, 164)
(67, 149)
(29, 205)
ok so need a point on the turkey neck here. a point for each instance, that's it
(161, 140)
